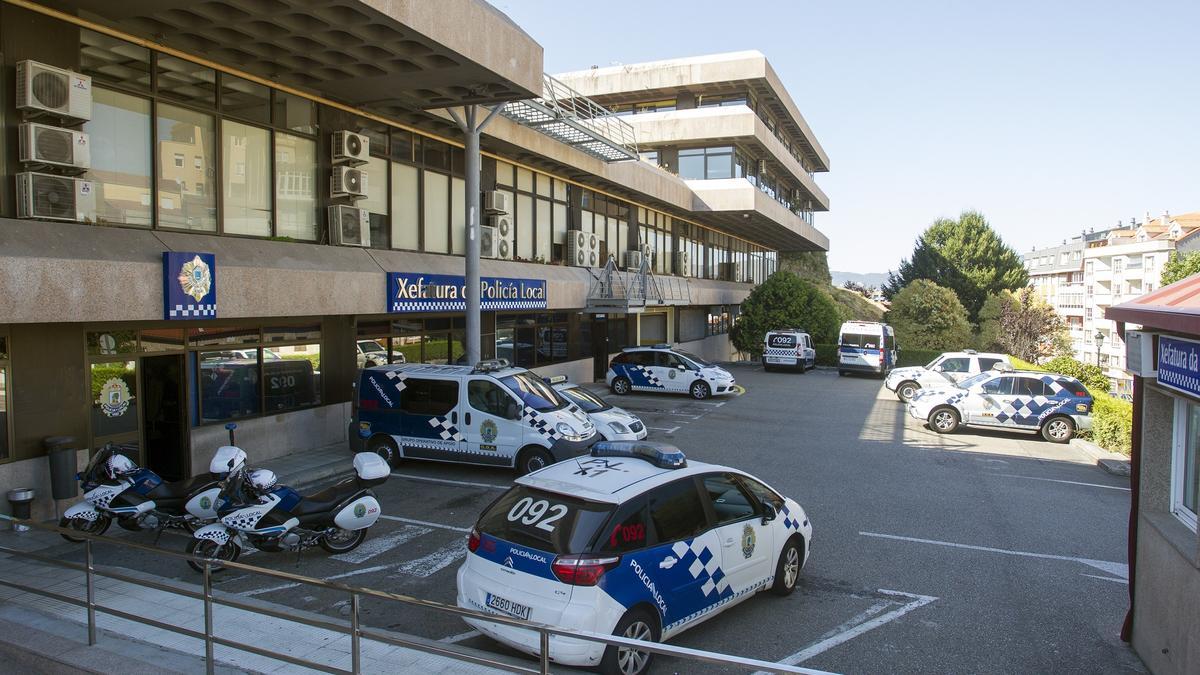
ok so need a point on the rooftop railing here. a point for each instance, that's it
(576, 120)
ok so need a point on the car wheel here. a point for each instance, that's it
(385, 446)
(620, 386)
(766, 368)
(341, 541)
(841, 373)
(532, 459)
(907, 390)
(944, 420)
(1058, 429)
(637, 624)
(787, 570)
(700, 390)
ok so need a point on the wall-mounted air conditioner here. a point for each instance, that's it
(503, 226)
(682, 263)
(495, 201)
(349, 226)
(487, 242)
(54, 91)
(1140, 355)
(583, 249)
(350, 149)
(762, 166)
(731, 271)
(347, 182)
(55, 146)
(633, 260)
(48, 197)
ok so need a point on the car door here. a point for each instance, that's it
(672, 372)
(992, 405)
(744, 539)
(955, 368)
(431, 422)
(640, 368)
(492, 434)
(1031, 397)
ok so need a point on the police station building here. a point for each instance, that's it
(215, 210)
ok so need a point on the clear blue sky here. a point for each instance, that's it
(1049, 117)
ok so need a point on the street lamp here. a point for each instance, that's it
(1099, 344)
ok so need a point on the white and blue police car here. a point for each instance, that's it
(633, 540)
(1053, 405)
(611, 422)
(661, 368)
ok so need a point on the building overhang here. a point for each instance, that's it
(1171, 308)
(743, 210)
(387, 56)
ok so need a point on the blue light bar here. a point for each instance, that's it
(662, 455)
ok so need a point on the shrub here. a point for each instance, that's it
(928, 316)
(1089, 374)
(1112, 424)
(783, 301)
(827, 355)
(916, 357)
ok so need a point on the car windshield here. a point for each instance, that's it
(585, 399)
(534, 392)
(974, 380)
(931, 364)
(547, 521)
(695, 359)
(860, 340)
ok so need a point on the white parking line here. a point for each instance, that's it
(665, 430)
(284, 587)
(426, 523)
(1113, 579)
(447, 481)
(1113, 568)
(377, 545)
(460, 637)
(1069, 482)
(431, 564)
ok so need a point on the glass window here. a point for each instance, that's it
(543, 229)
(986, 364)
(246, 174)
(437, 212)
(524, 223)
(229, 384)
(676, 511)
(295, 113)
(559, 236)
(185, 198)
(186, 81)
(110, 343)
(1027, 386)
(114, 400)
(402, 145)
(162, 339)
(406, 349)
(761, 492)
(720, 163)
(524, 180)
(586, 400)
(4, 449)
(486, 396)
(292, 377)
(108, 60)
(543, 184)
(428, 397)
(504, 173)
(435, 348)
(691, 164)
(628, 530)
(1001, 386)
(295, 187)
(545, 521)
(458, 218)
(437, 155)
(405, 204)
(245, 99)
(1185, 469)
(223, 336)
(376, 201)
(534, 392)
(728, 500)
(560, 190)
(956, 365)
(120, 137)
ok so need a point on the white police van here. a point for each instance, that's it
(491, 414)
(660, 368)
(634, 540)
(949, 368)
(866, 347)
(612, 423)
(788, 348)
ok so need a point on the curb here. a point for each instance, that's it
(1112, 462)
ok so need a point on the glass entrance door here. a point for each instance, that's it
(164, 416)
(114, 407)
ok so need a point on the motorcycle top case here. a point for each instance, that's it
(371, 469)
(358, 514)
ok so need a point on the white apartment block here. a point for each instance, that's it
(1084, 276)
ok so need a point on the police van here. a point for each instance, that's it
(491, 414)
(663, 369)
(866, 347)
(634, 540)
(788, 348)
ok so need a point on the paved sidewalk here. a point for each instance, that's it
(327, 647)
(308, 467)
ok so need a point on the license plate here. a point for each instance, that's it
(507, 606)
(779, 359)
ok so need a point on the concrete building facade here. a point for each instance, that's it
(212, 133)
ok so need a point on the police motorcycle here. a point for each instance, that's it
(115, 488)
(255, 510)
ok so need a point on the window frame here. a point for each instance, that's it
(697, 492)
(1187, 516)
(709, 504)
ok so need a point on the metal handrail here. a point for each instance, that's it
(355, 630)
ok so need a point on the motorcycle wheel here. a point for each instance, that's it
(340, 541)
(200, 549)
(95, 527)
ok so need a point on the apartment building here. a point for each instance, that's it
(275, 197)
(1086, 275)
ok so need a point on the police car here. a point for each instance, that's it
(660, 368)
(947, 369)
(1053, 405)
(634, 540)
(611, 422)
(789, 348)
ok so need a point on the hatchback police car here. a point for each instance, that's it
(1053, 405)
(611, 422)
(633, 540)
(660, 368)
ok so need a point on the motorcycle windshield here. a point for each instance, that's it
(233, 491)
(98, 459)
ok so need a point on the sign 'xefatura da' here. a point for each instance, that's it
(409, 292)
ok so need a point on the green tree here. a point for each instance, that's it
(784, 300)
(989, 320)
(964, 255)
(1180, 266)
(928, 316)
(1029, 328)
(1091, 375)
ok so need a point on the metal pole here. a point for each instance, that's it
(471, 153)
(355, 655)
(545, 652)
(91, 595)
(209, 665)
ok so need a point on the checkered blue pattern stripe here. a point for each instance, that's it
(461, 305)
(200, 311)
(1053, 384)
(397, 379)
(445, 428)
(651, 379)
(779, 351)
(538, 423)
(1029, 411)
(789, 521)
(702, 563)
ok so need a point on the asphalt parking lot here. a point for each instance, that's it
(974, 552)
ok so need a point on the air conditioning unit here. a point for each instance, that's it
(633, 260)
(580, 250)
(682, 264)
(503, 226)
(495, 201)
(762, 166)
(487, 242)
(46, 89)
(48, 197)
(647, 250)
(350, 148)
(349, 226)
(732, 271)
(55, 146)
(1140, 353)
(347, 182)
(593, 251)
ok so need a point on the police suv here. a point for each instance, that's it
(660, 368)
(612, 423)
(634, 540)
(788, 348)
(491, 414)
(948, 369)
(1053, 405)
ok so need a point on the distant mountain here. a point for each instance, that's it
(875, 279)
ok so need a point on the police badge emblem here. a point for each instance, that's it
(195, 278)
(360, 510)
(205, 503)
(747, 541)
(488, 431)
(114, 397)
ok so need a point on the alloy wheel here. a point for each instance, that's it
(629, 660)
(791, 567)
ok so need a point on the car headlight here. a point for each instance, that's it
(618, 427)
(564, 429)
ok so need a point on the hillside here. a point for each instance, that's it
(854, 307)
(875, 279)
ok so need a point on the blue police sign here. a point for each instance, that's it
(189, 286)
(409, 292)
(1179, 364)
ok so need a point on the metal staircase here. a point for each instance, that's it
(576, 120)
(632, 292)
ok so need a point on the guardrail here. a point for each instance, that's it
(354, 628)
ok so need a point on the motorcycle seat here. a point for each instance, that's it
(326, 500)
(178, 491)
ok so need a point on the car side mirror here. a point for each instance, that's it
(937, 369)
(680, 366)
(769, 512)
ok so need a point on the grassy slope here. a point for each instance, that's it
(855, 307)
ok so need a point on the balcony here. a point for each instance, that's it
(745, 210)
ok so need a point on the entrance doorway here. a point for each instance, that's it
(599, 348)
(164, 416)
